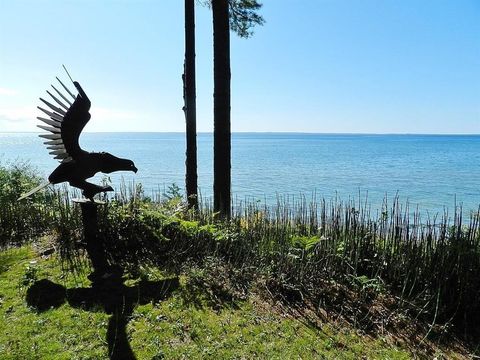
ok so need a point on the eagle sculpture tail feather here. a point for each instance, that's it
(33, 191)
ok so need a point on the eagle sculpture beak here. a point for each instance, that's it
(134, 169)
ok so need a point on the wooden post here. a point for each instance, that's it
(95, 248)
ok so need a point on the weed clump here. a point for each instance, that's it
(21, 221)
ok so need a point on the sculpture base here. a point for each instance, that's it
(88, 201)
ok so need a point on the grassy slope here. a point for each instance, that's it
(173, 328)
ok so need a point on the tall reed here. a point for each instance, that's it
(299, 244)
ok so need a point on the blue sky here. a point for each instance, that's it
(356, 66)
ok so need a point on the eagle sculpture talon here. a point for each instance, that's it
(64, 125)
(93, 190)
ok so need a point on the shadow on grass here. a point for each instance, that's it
(201, 294)
(113, 297)
(376, 315)
(216, 285)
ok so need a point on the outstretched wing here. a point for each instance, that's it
(65, 123)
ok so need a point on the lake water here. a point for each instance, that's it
(431, 171)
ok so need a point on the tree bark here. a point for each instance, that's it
(221, 109)
(189, 96)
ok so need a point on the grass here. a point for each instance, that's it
(62, 334)
(183, 326)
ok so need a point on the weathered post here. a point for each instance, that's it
(104, 274)
(94, 246)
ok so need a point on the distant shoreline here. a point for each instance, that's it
(259, 133)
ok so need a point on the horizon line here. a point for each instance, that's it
(259, 132)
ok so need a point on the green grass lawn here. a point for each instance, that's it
(176, 327)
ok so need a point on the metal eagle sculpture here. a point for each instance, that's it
(64, 125)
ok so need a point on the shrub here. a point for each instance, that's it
(24, 220)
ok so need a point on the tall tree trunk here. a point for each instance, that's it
(190, 105)
(221, 108)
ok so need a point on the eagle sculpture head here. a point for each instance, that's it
(111, 163)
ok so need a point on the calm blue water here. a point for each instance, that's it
(427, 170)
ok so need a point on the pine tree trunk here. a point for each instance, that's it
(221, 108)
(190, 105)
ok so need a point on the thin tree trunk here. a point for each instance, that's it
(190, 105)
(221, 108)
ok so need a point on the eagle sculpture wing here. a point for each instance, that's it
(65, 123)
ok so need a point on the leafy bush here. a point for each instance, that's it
(23, 220)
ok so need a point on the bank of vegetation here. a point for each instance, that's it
(382, 272)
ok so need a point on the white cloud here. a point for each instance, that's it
(17, 119)
(8, 92)
(108, 114)
(17, 113)
(23, 118)
(109, 119)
